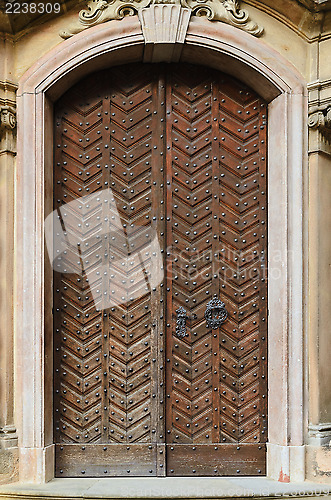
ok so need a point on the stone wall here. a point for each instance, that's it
(8, 437)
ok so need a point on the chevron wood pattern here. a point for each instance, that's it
(130, 349)
(183, 150)
(106, 375)
(190, 414)
(216, 382)
(78, 395)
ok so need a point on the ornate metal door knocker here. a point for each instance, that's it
(181, 322)
(215, 313)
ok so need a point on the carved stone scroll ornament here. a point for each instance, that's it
(320, 118)
(100, 11)
(7, 118)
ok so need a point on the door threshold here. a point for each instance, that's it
(177, 487)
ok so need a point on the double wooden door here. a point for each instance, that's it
(144, 385)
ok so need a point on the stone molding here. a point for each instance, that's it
(326, 427)
(8, 436)
(319, 434)
(100, 11)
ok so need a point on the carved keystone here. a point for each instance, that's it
(164, 26)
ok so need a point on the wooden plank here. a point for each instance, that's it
(109, 460)
(78, 382)
(216, 460)
(107, 364)
(189, 237)
(242, 208)
(132, 102)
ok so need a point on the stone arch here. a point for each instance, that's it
(262, 68)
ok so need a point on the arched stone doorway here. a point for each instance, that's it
(281, 87)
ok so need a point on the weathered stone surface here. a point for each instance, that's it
(8, 437)
(158, 488)
(8, 465)
(319, 459)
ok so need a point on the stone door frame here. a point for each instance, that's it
(227, 49)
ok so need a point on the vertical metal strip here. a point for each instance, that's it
(263, 303)
(168, 258)
(161, 449)
(57, 289)
(157, 292)
(105, 252)
(155, 313)
(215, 288)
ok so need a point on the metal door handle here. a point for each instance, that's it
(181, 322)
(215, 313)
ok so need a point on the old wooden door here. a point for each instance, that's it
(143, 384)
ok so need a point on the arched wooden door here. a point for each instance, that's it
(144, 385)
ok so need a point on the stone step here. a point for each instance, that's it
(162, 488)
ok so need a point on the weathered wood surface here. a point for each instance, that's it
(183, 150)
